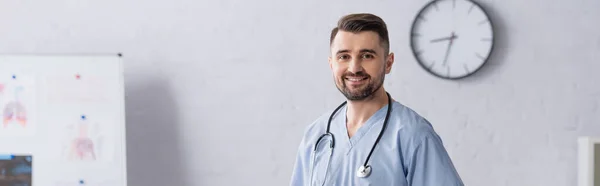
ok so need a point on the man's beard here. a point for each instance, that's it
(363, 93)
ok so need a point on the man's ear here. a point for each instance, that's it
(330, 63)
(389, 61)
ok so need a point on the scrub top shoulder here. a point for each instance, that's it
(409, 153)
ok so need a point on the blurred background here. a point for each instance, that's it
(219, 92)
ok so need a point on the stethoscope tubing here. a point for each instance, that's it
(332, 141)
(313, 166)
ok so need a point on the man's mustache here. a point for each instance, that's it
(360, 74)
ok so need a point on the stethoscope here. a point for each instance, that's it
(365, 169)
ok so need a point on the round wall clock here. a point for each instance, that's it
(452, 39)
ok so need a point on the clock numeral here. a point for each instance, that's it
(453, 4)
(418, 52)
(479, 56)
(431, 65)
(482, 22)
(470, 9)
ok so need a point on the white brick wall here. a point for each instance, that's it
(233, 95)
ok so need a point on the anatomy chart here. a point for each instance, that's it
(17, 105)
(62, 120)
(86, 140)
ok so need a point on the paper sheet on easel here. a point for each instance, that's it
(76, 89)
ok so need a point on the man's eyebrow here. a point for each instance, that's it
(361, 51)
(368, 51)
(342, 51)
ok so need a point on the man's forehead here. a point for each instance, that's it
(356, 41)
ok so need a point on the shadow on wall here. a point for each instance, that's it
(153, 150)
(500, 44)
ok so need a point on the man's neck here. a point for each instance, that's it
(358, 112)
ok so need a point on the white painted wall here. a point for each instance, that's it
(218, 92)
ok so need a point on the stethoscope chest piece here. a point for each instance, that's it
(363, 171)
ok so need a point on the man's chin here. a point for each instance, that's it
(356, 96)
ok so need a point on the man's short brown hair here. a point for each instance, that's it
(360, 22)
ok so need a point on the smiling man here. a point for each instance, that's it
(370, 139)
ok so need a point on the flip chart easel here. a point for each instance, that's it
(63, 120)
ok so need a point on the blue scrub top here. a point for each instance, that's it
(410, 152)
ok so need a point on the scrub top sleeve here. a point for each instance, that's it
(429, 164)
(298, 172)
(301, 166)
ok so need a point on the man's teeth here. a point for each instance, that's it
(355, 79)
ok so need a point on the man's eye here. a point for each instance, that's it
(343, 57)
(367, 56)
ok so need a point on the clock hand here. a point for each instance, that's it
(440, 39)
(444, 38)
(452, 37)
(447, 52)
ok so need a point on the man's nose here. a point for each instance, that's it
(355, 66)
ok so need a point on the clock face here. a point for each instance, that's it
(452, 39)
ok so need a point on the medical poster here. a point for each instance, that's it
(16, 170)
(86, 139)
(76, 88)
(17, 105)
